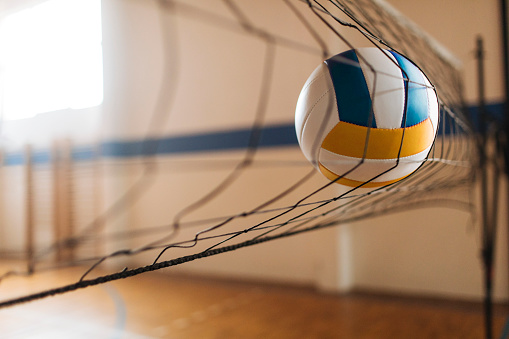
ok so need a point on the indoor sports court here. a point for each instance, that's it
(254, 169)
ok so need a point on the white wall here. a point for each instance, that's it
(456, 24)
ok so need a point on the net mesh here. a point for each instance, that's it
(202, 221)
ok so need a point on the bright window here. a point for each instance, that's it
(51, 58)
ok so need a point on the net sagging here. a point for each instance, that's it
(209, 205)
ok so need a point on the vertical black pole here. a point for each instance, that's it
(488, 219)
(505, 62)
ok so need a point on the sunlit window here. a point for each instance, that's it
(51, 58)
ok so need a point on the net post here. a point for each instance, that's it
(490, 175)
(504, 137)
(505, 62)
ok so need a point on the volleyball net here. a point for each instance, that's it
(216, 166)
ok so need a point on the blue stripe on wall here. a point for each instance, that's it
(495, 112)
(39, 157)
(271, 136)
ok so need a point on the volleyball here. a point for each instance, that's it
(367, 117)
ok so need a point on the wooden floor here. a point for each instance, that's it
(156, 305)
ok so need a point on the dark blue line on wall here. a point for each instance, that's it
(84, 153)
(271, 136)
(14, 159)
(494, 112)
(38, 157)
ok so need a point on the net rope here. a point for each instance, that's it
(446, 178)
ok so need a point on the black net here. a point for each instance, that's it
(218, 211)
